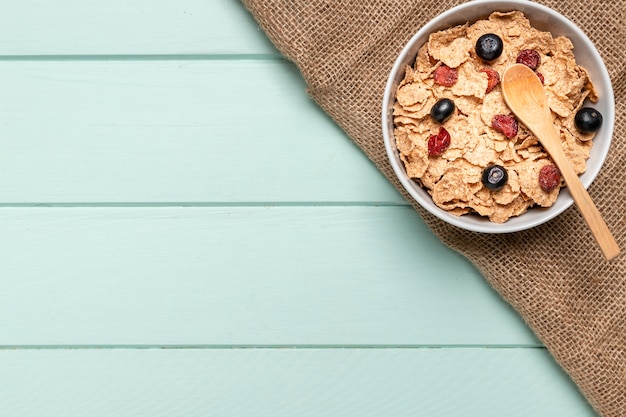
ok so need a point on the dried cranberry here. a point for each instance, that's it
(505, 124)
(549, 178)
(493, 78)
(540, 75)
(438, 143)
(446, 76)
(529, 57)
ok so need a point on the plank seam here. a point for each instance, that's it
(211, 204)
(278, 346)
(147, 57)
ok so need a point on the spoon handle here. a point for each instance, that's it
(597, 225)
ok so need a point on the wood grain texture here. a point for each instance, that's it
(173, 131)
(524, 94)
(122, 27)
(240, 275)
(118, 113)
(286, 382)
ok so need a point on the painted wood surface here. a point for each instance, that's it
(286, 382)
(163, 131)
(241, 275)
(129, 27)
(184, 233)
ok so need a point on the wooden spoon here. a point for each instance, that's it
(524, 95)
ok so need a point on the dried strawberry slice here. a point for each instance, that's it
(505, 124)
(493, 78)
(529, 57)
(549, 178)
(446, 76)
(438, 143)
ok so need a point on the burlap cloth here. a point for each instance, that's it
(553, 275)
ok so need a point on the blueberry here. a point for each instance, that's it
(588, 120)
(489, 46)
(494, 177)
(442, 110)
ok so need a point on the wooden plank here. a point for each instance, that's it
(240, 275)
(286, 382)
(167, 131)
(121, 27)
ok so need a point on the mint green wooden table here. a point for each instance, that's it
(184, 233)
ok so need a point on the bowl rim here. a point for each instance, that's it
(483, 225)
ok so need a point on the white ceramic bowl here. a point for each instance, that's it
(542, 18)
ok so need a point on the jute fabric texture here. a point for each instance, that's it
(553, 275)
